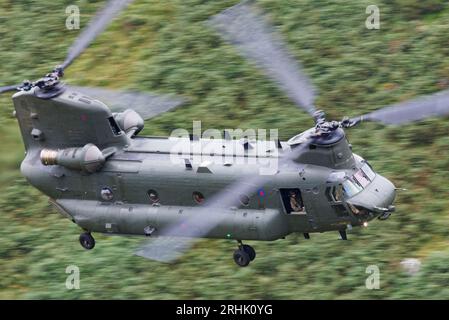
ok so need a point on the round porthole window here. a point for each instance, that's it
(198, 197)
(154, 197)
(107, 194)
(244, 199)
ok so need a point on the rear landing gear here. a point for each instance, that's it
(244, 254)
(87, 241)
(250, 251)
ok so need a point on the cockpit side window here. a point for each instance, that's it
(335, 193)
(338, 193)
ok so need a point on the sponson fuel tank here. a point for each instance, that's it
(134, 219)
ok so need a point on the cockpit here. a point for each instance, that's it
(345, 195)
(349, 186)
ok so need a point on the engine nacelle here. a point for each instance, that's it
(129, 121)
(88, 158)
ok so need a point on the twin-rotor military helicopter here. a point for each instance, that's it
(88, 158)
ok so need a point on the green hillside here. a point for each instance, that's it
(165, 47)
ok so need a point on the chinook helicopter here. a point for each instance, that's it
(97, 171)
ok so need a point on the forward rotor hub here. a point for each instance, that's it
(324, 127)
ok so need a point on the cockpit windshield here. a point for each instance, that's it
(351, 188)
(354, 184)
(366, 168)
(361, 178)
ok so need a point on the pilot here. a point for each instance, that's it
(294, 204)
(338, 194)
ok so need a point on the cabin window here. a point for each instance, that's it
(153, 195)
(107, 194)
(244, 199)
(292, 200)
(198, 197)
(114, 126)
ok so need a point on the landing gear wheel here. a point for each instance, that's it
(241, 258)
(250, 251)
(87, 241)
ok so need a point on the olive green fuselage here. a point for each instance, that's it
(135, 167)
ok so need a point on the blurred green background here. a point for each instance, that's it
(165, 47)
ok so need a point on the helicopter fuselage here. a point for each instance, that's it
(142, 185)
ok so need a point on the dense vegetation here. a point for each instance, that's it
(165, 47)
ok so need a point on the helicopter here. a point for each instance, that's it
(98, 172)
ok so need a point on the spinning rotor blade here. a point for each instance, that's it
(8, 88)
(244, 27)
(168, 247)
(95, 27)
(435, 105)
(147, 105)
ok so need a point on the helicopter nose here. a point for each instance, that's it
(386, 192)
(378, 196)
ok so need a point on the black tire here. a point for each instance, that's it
(250, 251)
(87, 241)
(241, 258)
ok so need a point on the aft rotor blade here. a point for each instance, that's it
(168, 247)
(8, 88)
(435, 105)
(145, 104)
(244, 27)
(95, 27)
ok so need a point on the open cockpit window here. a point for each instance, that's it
(335, 193)
(338, 193)
(292, 200)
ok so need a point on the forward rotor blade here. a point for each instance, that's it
(435, 105)
(168, 248)
(145, 104)
(95, 27)
(8, 88)
(244, 27)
